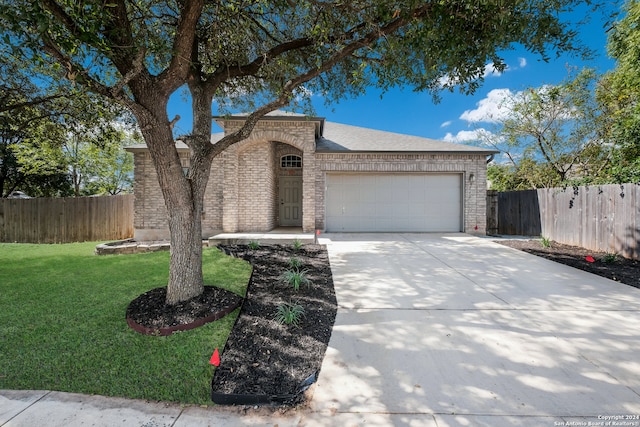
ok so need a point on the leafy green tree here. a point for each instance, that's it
(24, 119)
(528, 174)
(258, 56)
(552, 135)
(92, 157)
(39, 124)
(112, 171)
(619, 93)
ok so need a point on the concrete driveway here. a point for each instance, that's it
(432, 330)
(453, 330)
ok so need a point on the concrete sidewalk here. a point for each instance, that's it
(432, 330)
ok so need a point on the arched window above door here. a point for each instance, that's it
(291, 161)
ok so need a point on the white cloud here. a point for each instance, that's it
(490, 109)
(446, 124)
(490, 71)
(476, 135)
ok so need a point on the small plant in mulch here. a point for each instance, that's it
(295, 278)
(297, 245)
(289, 314)
(254, 245)
(609, 258)
(545, 242)
(294, 263)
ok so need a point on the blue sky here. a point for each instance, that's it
(456, 116)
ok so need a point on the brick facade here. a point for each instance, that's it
(243, 190)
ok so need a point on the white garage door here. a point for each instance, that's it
(394, 202)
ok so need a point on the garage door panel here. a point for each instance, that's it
(394, 202)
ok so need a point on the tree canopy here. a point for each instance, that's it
(41, 122)
(585, 130)
(257, 56)
(551, 135)
(619, 92)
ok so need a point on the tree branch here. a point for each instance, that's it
(74, 70)
(135, 71)
(4, 108)
(175, 74)
(123, 41)
(288, 88)
(226, 72)
(62, 16)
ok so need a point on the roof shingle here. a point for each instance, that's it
(339, 138)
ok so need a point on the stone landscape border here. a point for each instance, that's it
(132, 246)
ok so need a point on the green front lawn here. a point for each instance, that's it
(62, 324)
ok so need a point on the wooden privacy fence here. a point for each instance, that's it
(600, 217)
(78, 219)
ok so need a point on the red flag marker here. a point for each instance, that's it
(215, 358)
(589, 259)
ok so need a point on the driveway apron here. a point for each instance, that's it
(455, 330)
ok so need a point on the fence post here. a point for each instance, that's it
(492, 212)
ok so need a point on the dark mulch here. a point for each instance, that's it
(148, 314)
(263, 356)
(621, 269)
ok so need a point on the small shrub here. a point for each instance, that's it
(609, 258)
(253, 245)
(545, 242)
(297, 245)
(289, 314)
(295, 263)
(295, 278)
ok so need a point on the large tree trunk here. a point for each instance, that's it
(183, 196)
(185, 268)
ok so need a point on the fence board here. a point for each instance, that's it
(518, 213)
(601, 218)
(53, 220)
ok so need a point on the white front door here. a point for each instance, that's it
(291, 201)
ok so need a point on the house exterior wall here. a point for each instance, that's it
(474, 190)
(242, 194)
(256, 188)
(262, 150)
(150, 214)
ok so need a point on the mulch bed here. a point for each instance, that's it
(148, 314)
(263, 361)
(621, 269)
(263, 357)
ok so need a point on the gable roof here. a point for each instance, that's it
(277, 115)
(340, 138)
(334, 137)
